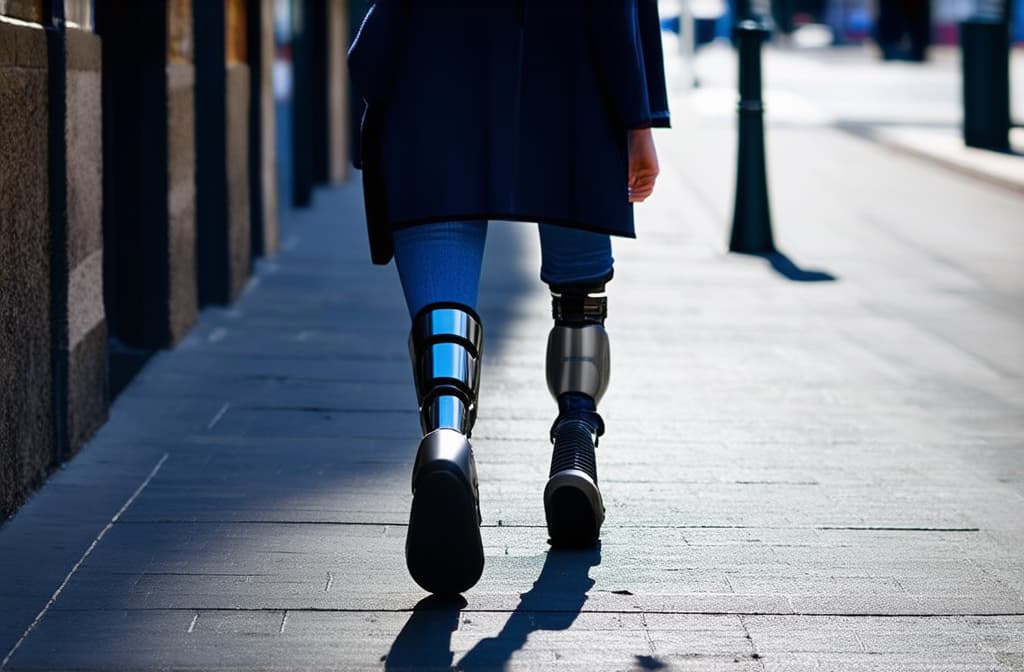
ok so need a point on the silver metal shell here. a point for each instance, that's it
(446, 411)
(445, 346)
(578, 360)
(446, 322)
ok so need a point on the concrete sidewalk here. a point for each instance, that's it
(813, 461)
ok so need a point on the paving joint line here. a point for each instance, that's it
(659, 612)
(88, 551)
(503, 525)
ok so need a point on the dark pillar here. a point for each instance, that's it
(254, 37)
(303, 119)
(222, 165)
(212, 244)
(320, 29)
(919, 28)
(135, 185)
(782, 12)
(985, 43)
(149, 274)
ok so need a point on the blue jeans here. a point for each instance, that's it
(441, 262)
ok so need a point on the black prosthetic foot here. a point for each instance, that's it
(572, 499)
(443, 550)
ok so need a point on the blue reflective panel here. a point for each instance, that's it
(449, 321)
(449, 412)
(449, 360)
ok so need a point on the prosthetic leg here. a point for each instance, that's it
(578, 365)
(443, 550)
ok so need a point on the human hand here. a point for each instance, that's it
(643, 164)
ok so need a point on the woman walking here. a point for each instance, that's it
(526, 110)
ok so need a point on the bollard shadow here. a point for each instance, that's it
(554, 602)
(870, 130)
(790, 270)
(650, 663)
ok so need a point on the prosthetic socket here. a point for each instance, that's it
(445, 346)
(578, 356)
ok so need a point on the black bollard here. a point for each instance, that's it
(985, 42)
(752, 220)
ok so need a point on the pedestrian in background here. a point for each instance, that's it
(526, 110)
(903, 29)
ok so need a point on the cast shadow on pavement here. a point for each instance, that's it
(425, 641)
(789, 269)
(554, 602)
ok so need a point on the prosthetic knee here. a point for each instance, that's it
(578, 365)
(443, 549)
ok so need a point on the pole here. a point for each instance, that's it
(751, 224)
(985, 47)
(688, 43)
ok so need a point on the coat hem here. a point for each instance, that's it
(398, 225)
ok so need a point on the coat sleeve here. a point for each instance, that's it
(625, 37)
(654, 62)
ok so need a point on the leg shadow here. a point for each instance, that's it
(425, 641)
(788, 269)
(554, 602)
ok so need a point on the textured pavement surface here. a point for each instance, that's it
(813, 461)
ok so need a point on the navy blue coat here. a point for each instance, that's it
(507, 109)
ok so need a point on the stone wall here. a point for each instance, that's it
(26, 400)
(264, 70)
(181, 199)
(337, 91)
(236, 106)
(103, 261)
(87, 328)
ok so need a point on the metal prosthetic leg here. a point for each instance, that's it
(443, 550)
(578, 364)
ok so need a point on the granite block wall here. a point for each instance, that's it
(182, 300)
(236, 110)
(26, 414)
(87, 395)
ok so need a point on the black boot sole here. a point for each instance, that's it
(574, 511)
(443, 550)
